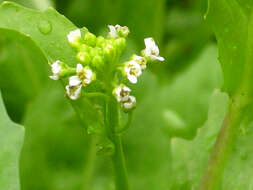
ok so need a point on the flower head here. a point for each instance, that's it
(130, 103)
(133, 70)
(83, 78)
(141, 61)
(152, 51)
(74, 36)
(73, 92)
(121, 93)
(84, 74)
(56, 69)
(118, 31)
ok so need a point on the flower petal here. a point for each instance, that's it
(74, 81)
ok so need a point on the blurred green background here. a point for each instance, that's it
(173, 97)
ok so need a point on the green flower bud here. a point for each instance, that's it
(84, 48)
(83, 57)
(93, 52)
(90, 39)
(123, 31)
(98, 61)
(100, 41)
(108, 52)
(120, 44)
(84, 29)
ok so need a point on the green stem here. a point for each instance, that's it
(127, 125)
(89, 163)
(95, 94)
(118, 159)
(121, 178)
(222, 147)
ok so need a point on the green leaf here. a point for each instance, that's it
(11, 140)
(190, 157)
(36, 4)
(55, 145)
(189, 94)
(238, 172)
(48, 29)
(23, 72)
(232, 22)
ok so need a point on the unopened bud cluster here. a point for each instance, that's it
(98, 59)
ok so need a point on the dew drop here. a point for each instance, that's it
(45, 27)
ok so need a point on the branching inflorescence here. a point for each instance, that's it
(98, 60)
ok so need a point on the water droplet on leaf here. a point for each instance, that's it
(45, 27)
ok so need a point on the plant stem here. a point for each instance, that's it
(121, 179)
(127, 125)
(89, 163)
(118, 158)
(222, 147)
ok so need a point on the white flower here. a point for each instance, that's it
(84, 74)
(130, 103)
(118, 31)
(121, 93)
(83, 78)
(141, 60)
(152, 50)
(73, 92)
(74, 36)
(113, 30)
(56, 69)
(133, 71)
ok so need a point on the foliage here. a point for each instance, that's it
(11, 141)
(178, 126)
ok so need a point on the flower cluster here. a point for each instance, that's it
(122, 95)
(98, 59)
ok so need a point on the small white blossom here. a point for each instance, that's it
(121, 93)
(152, 50)
(133, 71)
(73, 92)
(56, 69)
(74, 36)
(83, 78)
(141, 60)
(84, 74)
(130, 103)
(114, 31)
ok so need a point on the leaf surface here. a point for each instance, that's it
(11, 140)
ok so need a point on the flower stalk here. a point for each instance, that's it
(96, 89)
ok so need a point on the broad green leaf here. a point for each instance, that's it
(232, 22)
(11, 140)
(189, 94)
(189, 158)
(23, 71)
(48, 29)
(37, 4)
(238, 172)
(55, 145)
